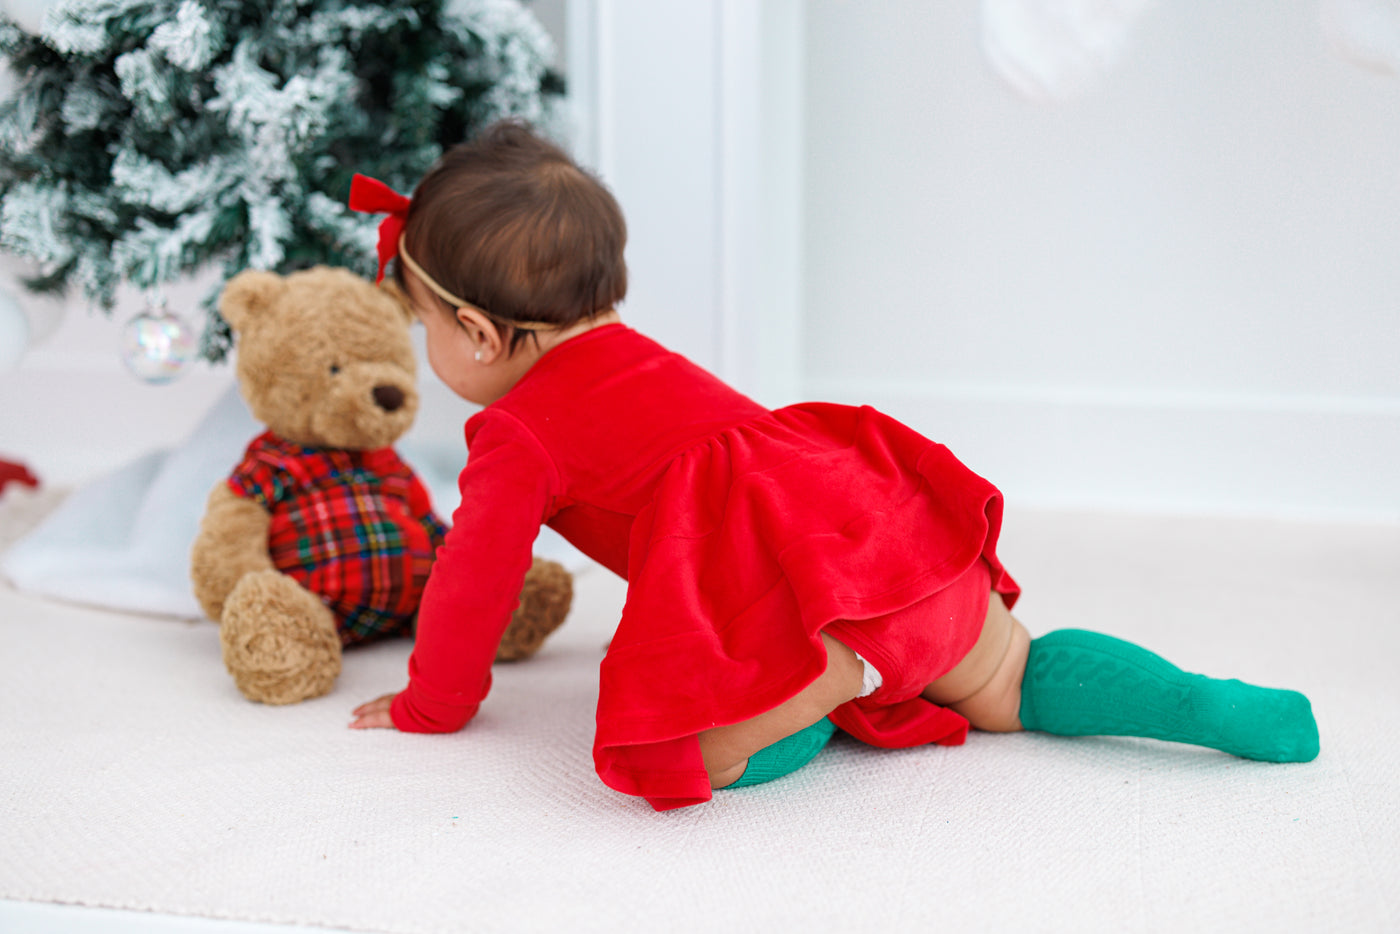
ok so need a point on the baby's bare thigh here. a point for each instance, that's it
(985, 687)
(996, 706)
(980, 664)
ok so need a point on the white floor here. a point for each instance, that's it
(145, 795)
(40, 918)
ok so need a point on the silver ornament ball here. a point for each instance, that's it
(157, 345)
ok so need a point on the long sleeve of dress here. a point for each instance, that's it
(508, 487)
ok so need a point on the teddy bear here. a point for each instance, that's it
(322, 537)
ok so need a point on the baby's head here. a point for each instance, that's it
(512, 225)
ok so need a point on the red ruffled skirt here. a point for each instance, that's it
(814, 517)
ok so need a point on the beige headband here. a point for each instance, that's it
(456, 302)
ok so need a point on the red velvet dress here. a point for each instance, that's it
(742, 532)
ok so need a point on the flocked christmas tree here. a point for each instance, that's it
(148, 139)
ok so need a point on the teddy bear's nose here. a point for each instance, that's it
(388, 398)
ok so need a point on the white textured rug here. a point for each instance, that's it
(132, 775)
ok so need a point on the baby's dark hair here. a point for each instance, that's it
(510, 223)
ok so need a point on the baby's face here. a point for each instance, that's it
(451, 350)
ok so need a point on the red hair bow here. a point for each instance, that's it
(372, 196)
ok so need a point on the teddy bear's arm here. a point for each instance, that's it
(232, 542)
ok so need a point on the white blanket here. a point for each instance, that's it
(123, 541)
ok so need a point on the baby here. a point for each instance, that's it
(789, 571)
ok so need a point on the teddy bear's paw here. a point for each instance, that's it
(279, 641)
(545, 600)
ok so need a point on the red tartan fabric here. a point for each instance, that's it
(742, 532)
(355, 528)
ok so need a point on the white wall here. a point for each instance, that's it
(1180, 290)
(71, 411)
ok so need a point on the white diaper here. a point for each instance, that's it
(870, 677)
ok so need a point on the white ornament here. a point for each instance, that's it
(27, 14)
(156, 344)
(1053, 49)
(1364, 32)
(14, 331)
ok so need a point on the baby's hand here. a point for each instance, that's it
(374, 715)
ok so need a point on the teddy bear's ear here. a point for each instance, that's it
(248, 294)
(391, 288)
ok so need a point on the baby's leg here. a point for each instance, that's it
(1085, 683)
(727, 749)
(1076, 683)
(985, 687)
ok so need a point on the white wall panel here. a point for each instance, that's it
(652, 112)
(690, 110)
(1197, 259)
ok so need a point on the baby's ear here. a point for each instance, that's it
(249, 294)
(391, 288)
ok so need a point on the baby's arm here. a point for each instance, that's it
(507, 486)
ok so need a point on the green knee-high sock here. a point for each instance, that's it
(1086, 684)
(786, 755)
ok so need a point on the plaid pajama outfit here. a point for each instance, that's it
(356, 528)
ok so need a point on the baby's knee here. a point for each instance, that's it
(723, 777)
(993, 714)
